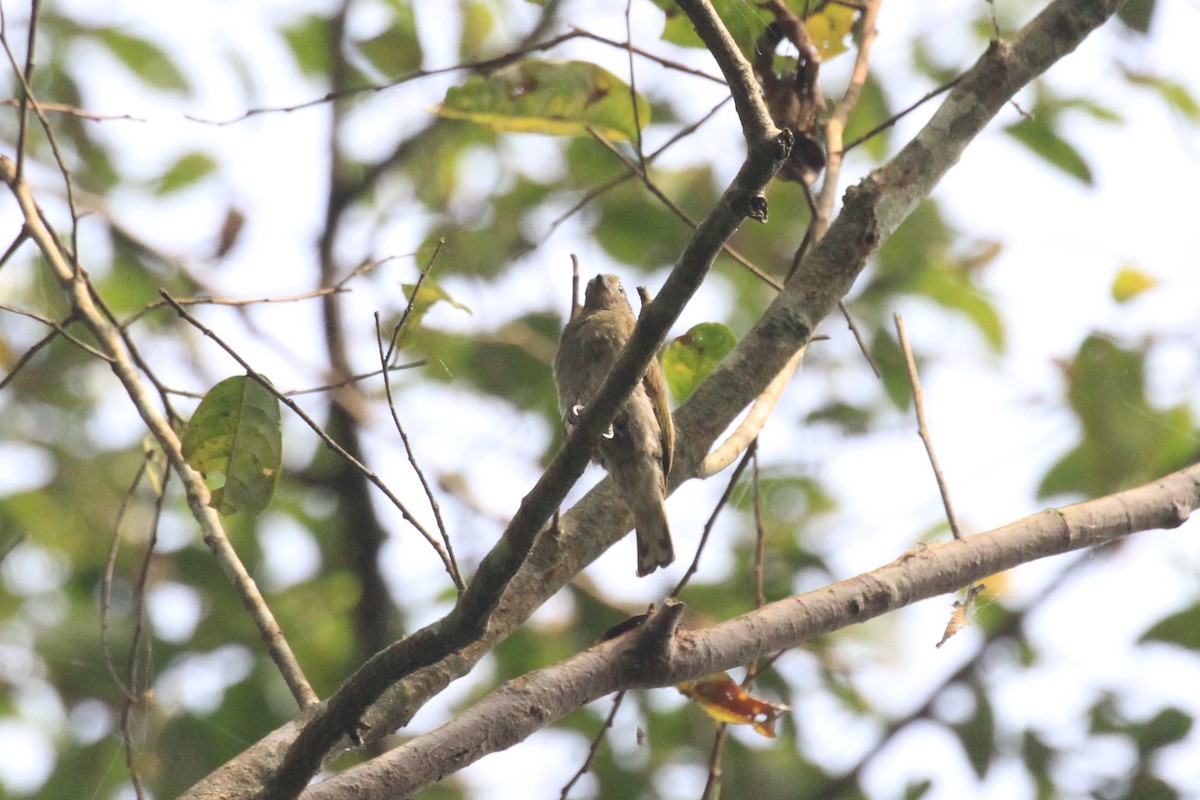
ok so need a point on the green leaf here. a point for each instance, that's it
(871, 110)
(1136, 15)
(952, 289)
(743, 21)
(1181, 628)
(1126, 440)
(558, 98)
(397, 49)
(235, 433)
(147, 60)
(309, 43)
(187, 170)
(915, 790)
(689, 359)
(850, 420)
(1173, 93)
(1163, 729)
(430, 294)
(1129, 283)
(978, 733)
(1044, 142)
(478, 22)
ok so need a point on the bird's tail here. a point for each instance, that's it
(654, 548)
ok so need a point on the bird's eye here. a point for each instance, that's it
(620, 288)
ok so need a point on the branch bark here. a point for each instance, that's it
(523, 706)
(78, 289)
(502, 596)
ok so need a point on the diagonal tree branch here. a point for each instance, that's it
(499, 600)
(468, 621)
(522, 706)
(75, 284)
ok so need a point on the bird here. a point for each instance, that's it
(637, 448)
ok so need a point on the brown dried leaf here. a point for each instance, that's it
(725, 701)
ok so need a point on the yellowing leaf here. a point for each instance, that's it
(725, 701)
(689, 359)
(829, 29)
(428, 295)
(558, 98)
(1129, 283)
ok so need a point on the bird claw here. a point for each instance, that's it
(572, 419)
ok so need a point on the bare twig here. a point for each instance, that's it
(412, 460)
(83, 299)
(760, 599)
(138, 617)
(362, 376)
(899, 115)
(666, 62)
(712, 784)
(230, 301)
(317, 429)
(597, 740)
(485, 65)
(674, 208)
(394, 338)
(72, 111)
(629, 173)
(110, 565)
(712, 518)
(923, 428)
(633, 95)
(59, 328)
(862, 344)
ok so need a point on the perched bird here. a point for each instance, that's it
(637, 449)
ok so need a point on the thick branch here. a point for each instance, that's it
(871, 212)
(520, 707)
(469, 620)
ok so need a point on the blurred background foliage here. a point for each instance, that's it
(373, 182)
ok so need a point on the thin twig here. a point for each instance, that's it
(679, 212)
(485, 65)
(760, 599)
(923, 429)
(317, 429)
(712, 518)
(394, 338)
(862, 344)
(29, 100)
(597, 740)
(72, 111)
(666, 62)
(230, 301)
(412, 460)
(899, 115)
(136, 613)
(633, 95)
(362, 376)
(110, 566)
(712, 786)
(612, 183)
